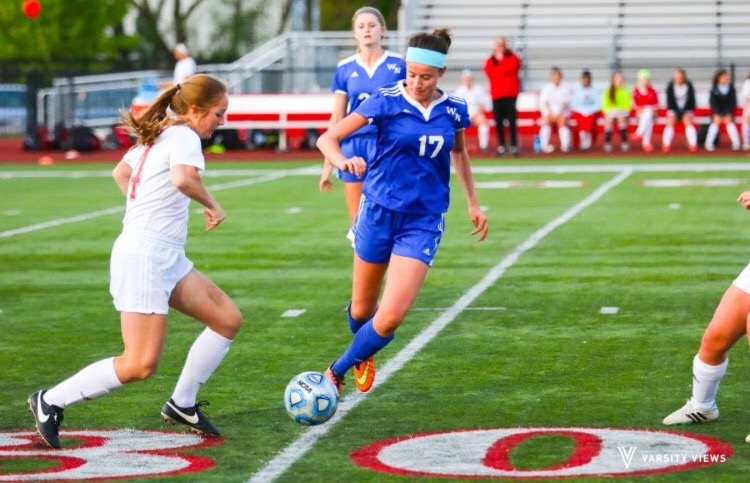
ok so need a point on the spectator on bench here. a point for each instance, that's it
(478, 101)
(586, 106)
(745, 103)
(723, 101)
(554, 100)
(646, 104)
(680, 106)
(616, 105)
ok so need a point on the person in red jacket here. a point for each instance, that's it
(645, 103)
(502, 69)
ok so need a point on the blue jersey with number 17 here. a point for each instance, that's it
(357, 81)
(411, 169)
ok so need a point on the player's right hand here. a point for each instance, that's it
(744, 200)
(355, 165)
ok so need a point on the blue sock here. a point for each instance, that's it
(354, 325)
(365, 344)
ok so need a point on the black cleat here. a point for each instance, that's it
(48, 419)
(192, 417)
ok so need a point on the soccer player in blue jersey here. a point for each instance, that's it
(420, 131)
(356, 78)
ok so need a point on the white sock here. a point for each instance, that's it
(734, 136)
(646, 126)
(204, 357)
(91, 382)
(584, 140)
(746, 134)
(706, 381)
(484, 136)
(564, 133)
(544, 134)
(691, 134)
(713, 130)
(667, 136)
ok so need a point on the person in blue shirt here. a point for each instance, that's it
(400, 222)
(356, 77)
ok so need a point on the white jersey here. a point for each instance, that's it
(745, 95)
(183, 69)
(476, 97)
(555, 99)
(155, 207)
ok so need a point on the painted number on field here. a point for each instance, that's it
(105, 454)
(486, 453)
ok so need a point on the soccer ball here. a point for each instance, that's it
(311, 399)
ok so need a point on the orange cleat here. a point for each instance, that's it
(693, 149)
(648, 147)
(666, 149)
(364, 375)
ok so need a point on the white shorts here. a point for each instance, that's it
(143, 273)
(742, 281)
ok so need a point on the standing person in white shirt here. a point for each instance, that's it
(745, 103)
(478, 101)
(554, 100)
(185, 65)
(149, 272)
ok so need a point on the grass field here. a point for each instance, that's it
(524, 342)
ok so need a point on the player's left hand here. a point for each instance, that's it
(214, 216)
(744, 200)
(480, 222)
(355, 165)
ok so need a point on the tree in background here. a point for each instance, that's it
(337, 15)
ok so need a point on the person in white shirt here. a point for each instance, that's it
(745, 103)
(478, 101)
(586, 109)
(149, 272)
(554, 100)
(185, 65)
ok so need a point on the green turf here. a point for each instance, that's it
(549, 359)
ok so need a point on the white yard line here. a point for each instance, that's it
(305, 442)
(271, 176)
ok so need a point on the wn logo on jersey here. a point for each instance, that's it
(395, 68)
(452, 111)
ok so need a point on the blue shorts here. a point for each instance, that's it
(379, 232)
(362, 146)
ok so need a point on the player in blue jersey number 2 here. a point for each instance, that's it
(420, 131)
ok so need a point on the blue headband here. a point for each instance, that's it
(425, 57)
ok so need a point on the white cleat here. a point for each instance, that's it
(691, 414)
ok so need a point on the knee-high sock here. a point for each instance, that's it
(746, 134)
(734, 136)
(667, 136)
(91, 382)
(608, 136)
(692, 135)
(204, 357)
(646, 125)
(624, 134)
(713, 130)
(545, 132)
(484, 136)
(366, 343)
(564, 138)
(706, 381)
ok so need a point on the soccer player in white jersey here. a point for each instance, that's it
(554, 103)
(355, 79)
(149, 272)
(730, 322)
(478, 101)
(405, 196)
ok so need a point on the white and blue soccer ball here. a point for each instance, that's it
(310, 399)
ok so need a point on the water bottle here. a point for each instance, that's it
(537, 144)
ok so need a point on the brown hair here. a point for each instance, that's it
(439, 40)
(612, 88)
(370, 10)
(199, 91)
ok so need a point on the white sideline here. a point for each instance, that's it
(119, 209)
(297, 449)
